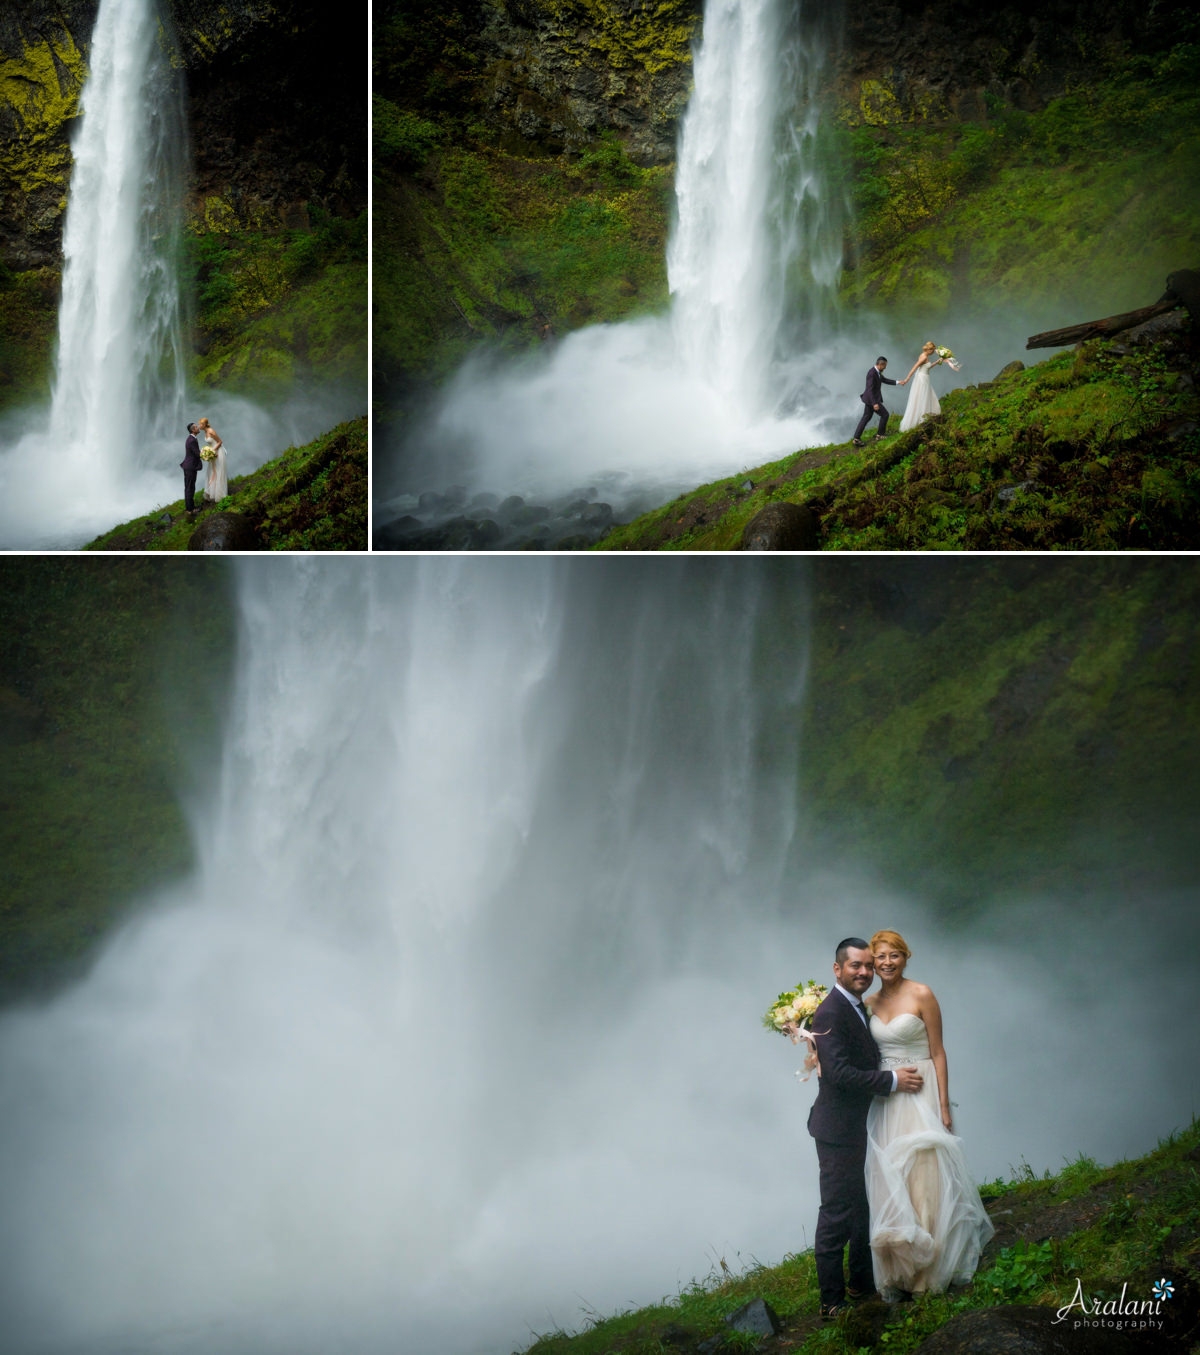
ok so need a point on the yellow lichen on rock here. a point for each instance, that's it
(654, 38)
(41, 87)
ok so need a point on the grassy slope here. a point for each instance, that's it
(1132, 1222)
(101, 723)
(310, 498)
(1097, 441)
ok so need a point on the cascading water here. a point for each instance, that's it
(120, 345)
(645, 408)
(456, 1028)
(758, 235)
(114, 434)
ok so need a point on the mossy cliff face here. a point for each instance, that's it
(277, 126)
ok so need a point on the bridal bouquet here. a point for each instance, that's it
(949, 359)
(797, 1005)
(208, 453)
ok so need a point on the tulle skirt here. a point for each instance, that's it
(928, 1224)
(922, 400)
(216, 487)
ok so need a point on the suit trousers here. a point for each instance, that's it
(844, 1216)
(189, 490)
(868, 415)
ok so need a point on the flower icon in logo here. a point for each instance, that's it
(1163, 1289)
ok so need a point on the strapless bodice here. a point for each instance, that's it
(902, 1040)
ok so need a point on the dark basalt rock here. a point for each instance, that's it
(1009, 369)
(1026, 1331)
(224, 531)
(783, 526)
(756, 1317)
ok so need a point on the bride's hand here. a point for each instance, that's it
(947, 1120)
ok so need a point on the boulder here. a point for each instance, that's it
(783, 526)
(756, 1317)
(1010, 369)
(1028, 1330)
(224, 531)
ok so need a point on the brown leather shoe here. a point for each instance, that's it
(828, 1312)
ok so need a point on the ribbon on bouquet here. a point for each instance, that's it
(803, 1033)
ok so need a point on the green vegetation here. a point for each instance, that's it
(1003, 726)
(1089, 197)
(28, 319)
(1103, 1227)
(484, 244)
(112, 677)
(309, 498)
(1092, 450)
(277, 306)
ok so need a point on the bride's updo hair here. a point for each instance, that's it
(893, 939)
(927, 347)
(204, 423)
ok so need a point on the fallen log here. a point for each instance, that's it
(1095, 329)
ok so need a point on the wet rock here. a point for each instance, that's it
(1163, 330)
(1005, 497)
(576, 541)
(508, 507)
(864, 1323)
(596, 515)
(1010, 369)
(782, 526)
(756, 1317)
(529, 514)
(224, 531)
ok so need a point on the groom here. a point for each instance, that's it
(191, 463)
(850, 1077)
(872, 399)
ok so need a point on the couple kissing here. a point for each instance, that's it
(895, 1185)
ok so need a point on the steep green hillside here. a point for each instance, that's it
(1096, 449)
(309, 498)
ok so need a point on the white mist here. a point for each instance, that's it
(455, 1032)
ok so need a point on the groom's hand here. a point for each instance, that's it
(908, 1080)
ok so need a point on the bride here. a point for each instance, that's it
(922, 399)
(928, 1224)
(216, 487)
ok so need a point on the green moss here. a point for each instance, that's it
(28, 316)
(492, 246)
(277, 306)
(42, 88)
(309, 498)
(653, 37)
(1090, 450)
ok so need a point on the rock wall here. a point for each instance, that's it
(276, 105)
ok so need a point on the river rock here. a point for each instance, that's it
(224, 531)
(1023, 1331)
(783, 526)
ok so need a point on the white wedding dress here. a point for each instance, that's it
(216, 487)
(922, 399)
(928, 1224)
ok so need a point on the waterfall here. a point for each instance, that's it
(120, 360)
(758, 233)
(732, 375)
(456, 1027)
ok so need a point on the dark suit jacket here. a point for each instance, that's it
(850, 1073)
(191, 453)
(873, 395)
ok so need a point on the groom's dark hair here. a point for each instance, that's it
(880, 359)
(850, 943)
(191, 427)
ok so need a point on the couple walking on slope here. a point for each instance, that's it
(922, 399)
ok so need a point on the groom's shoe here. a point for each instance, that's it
(856, 441)
(828, 1311)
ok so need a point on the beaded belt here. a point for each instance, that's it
(904, 1062)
